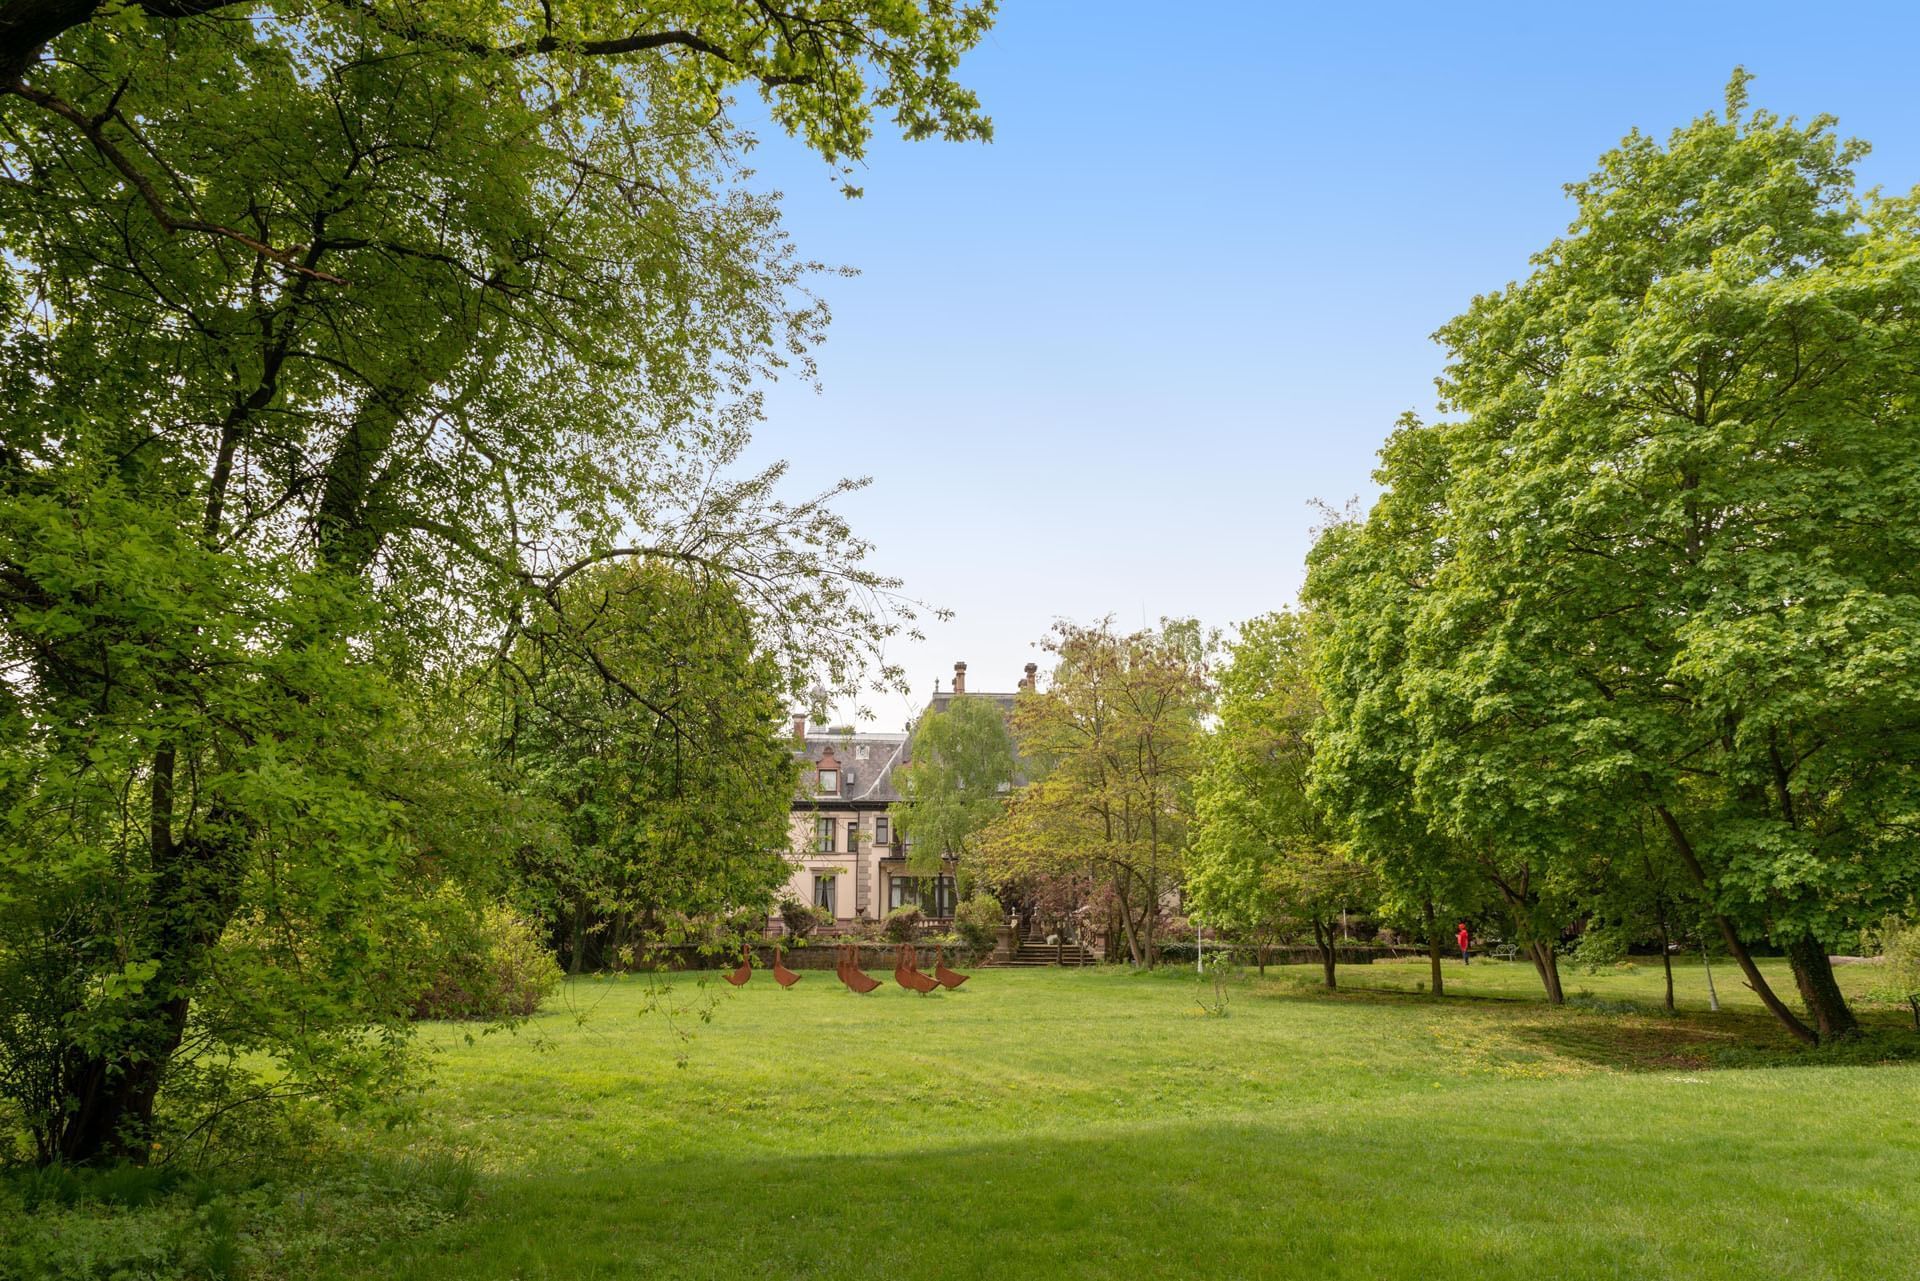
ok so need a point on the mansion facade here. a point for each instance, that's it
(846, 857)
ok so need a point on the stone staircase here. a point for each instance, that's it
(1035, 952)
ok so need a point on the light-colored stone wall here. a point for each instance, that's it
(808, 860)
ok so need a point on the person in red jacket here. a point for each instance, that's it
(1464, 938)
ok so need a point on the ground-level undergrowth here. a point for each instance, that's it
(1098, 1124)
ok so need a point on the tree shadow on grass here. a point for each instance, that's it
(1633, 1036)
(1515, 1181)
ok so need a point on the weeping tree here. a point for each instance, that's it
(338, 341)
(957, 783)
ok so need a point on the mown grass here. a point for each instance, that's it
(1098, 1124)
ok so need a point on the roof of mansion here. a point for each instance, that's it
(867, 759)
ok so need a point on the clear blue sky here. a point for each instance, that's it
(1105, 363)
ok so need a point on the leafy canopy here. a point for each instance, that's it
(958, 781)
(340, 343)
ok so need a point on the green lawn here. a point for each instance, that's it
(1047, 1124)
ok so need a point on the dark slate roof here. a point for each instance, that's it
(870, 780)
(942, 698)
(867, 779)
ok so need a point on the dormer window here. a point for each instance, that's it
(826, 778)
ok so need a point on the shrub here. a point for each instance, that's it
(489, 966)
(802, 919)
(748, 925)
(165, 1224)
(1599, 949)
(978, 921)
(1899, 945)
(903, 924)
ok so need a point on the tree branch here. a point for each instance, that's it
(93, 128)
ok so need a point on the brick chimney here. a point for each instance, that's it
(799, 724)
(1031, 683)
(959, 678)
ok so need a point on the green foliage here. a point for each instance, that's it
(647, 717)
(1599, 949)
(1263, 849)
(1898, 943)
(978, 921)
(957, 782)
(1653, 579)
(902, 924)
(802, 919)
(337, 345)
(491, 965)
(1113, 746)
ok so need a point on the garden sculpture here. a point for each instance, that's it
(781, 974)
(909, 977)
(745, 972)
(948, 978)
(851, 974)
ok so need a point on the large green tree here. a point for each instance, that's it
(957, 783)
(1364, 580)
(1670, 570)
(338, 340)
(1687, 456)
(1263, 848)
(1113, 746)
(641, 707)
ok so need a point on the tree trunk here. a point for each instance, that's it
(1132, 931)
(1666, 961)
(1547, 966)
(195, 891)
(1731, 936)
(579, 942)
(1713, 993)
(1433, 950)
(1152, 914)
(619, 941)
(1818, 988)
(111, 1114)
(1323, 939)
